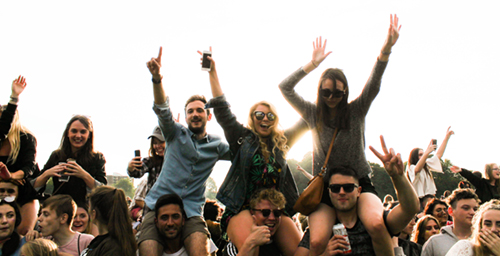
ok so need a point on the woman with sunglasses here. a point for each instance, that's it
(486, 188)
(258, 161)
(75, 167)
(330, 112)
(426, 226)
(485, 238)
(17, 156)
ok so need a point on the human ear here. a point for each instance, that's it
(209, 117)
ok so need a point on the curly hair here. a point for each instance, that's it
(278, 137)
(270, 194)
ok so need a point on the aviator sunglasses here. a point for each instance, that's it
(327, 93)
(267, 212)
(348, 188)
(259, 115)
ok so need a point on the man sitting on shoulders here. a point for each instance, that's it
(266, 207)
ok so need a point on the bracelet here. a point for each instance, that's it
(386, 53)
(157, 81)
(314, 64)
(14, 99)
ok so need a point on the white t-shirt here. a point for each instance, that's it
(182, 251)
(422, 181)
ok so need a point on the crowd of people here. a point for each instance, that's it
(169, 214)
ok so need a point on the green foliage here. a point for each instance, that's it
(127, 186)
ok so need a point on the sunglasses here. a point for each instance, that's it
(327, 93)
(9, 191)
(267, 212)
(348, 188)
(259, 115)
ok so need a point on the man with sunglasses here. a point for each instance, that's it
(266, 207)
(344, 191)
(189, 159)
(463, 205)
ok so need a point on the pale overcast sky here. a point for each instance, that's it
(89, 58)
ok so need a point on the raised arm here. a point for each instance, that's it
(443, 145)
(421, 162)
(214, 79)
(473, 179)
(318, 55)
(392, 38)
(409, 205)
(154, 66)
(7, 115)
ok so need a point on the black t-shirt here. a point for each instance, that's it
(360, 240)
(265, 250)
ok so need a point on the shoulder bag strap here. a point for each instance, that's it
(323, 169)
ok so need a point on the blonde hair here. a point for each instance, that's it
(14, 137)
(39, 247)
(277, 135)
(477, 225)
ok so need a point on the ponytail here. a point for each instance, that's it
(112, 211)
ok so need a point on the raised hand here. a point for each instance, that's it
(319, 52)
(393, 34)
(431, 147)
(18, 86)
(392, 161)
(178, 117)
(154, 65)
(449, 132)
(212, 66)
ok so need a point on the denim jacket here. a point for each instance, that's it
(243, 144)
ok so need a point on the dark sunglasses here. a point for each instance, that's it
(348, 188)
(327, 93)
(9, 190)
(267, 212)
(260, 115)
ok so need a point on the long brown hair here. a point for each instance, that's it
(277, 135)
(86, 153)
(341, 119)
(111, 210)
(419, 229)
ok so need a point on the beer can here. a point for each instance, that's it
(339, 229)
